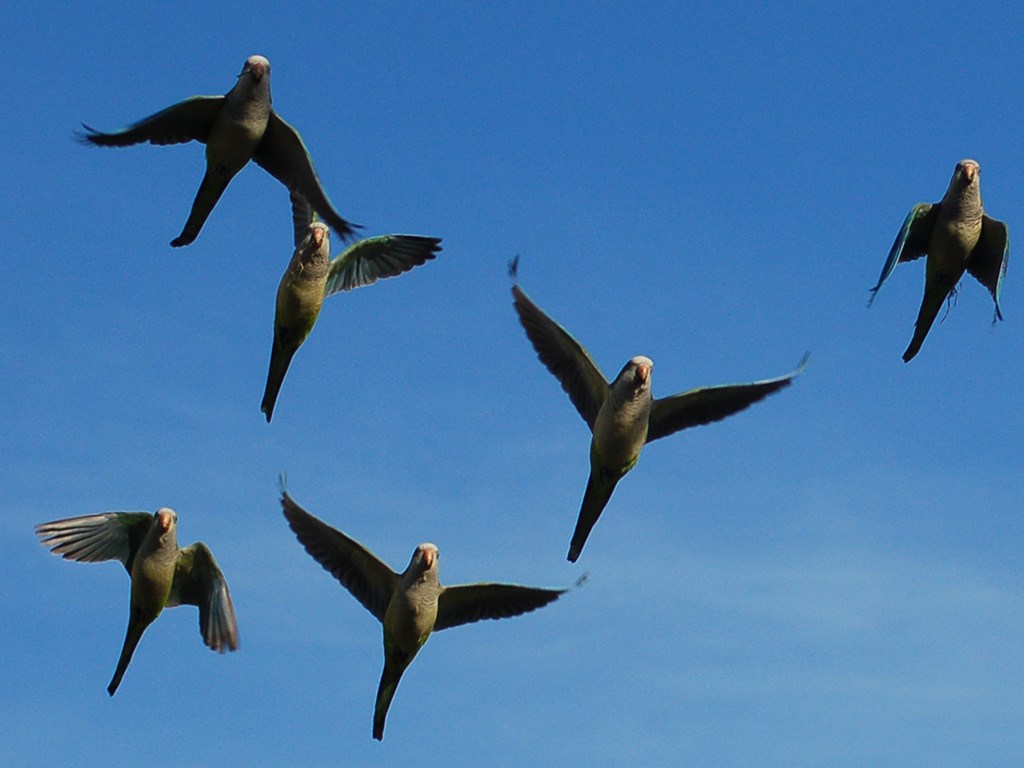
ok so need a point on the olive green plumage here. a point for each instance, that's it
(236, 128)
(622, 415)
(162, 574)
(409, 605)
(312, 276)
(957, 236)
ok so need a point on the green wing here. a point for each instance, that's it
(94, 538)
(707, 404)
(282, 154)
(990, 258)
(467, 603)
(911, 242)
(368, 578)
(198, 581)
(376, 258)
(564, 357)
(188, 120)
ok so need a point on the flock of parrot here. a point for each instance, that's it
(623, 416)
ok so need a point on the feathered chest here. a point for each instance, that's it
(620, 430)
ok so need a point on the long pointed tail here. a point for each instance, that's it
(209, 193)
(595, 498)
(937, 288)
(280, 359)
(136, 626)
(385, 692)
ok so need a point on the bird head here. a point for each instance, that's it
(319, 233)
(166, 518)
(635, 375)
(424, 562)
(427, 553)
(257, 66)
(317, 244)
(966, 171)
(164, 528)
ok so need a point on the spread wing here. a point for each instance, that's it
(94, 538)
(707, 404)
(567, 360)
(374, 258)
(467, 603)
(990, 258)
(283, 155)
(199, 581)
(911, 242)
(188, 120)
(369, 579)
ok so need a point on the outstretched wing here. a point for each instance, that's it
(199, 581)
(188, 120)
(707, 404)
(374, 258)
(567, 360)
(282, 154)
(467, 603)
(990, 258)
(94, 538)
(911, 242)
(368, 578)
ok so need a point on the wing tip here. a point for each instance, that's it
(90, 137)
(513, 270)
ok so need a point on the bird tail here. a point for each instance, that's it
(280, 359)
(136, 626)
(595, 498)
(385, 692)
(937, 288)
(209, 193)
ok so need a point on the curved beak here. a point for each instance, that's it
(643, 372)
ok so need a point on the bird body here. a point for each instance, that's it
(152, 575)
(411, 605)
(240, 126)
(312, 276)
(412, 609)
(162, 574)
(235, 134)
(408, 622)
(957, 236)
(620, 429)
(154, 564)
(623, 416)
(620, 432)
(236, 128)
(300, 295)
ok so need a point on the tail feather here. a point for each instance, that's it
(280, 359)
(385, 692)
(595, 498)
(136, 626)
(209, 193)
(937, 288)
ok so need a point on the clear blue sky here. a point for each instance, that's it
(830, 578)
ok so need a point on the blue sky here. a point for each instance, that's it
(832, 577)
